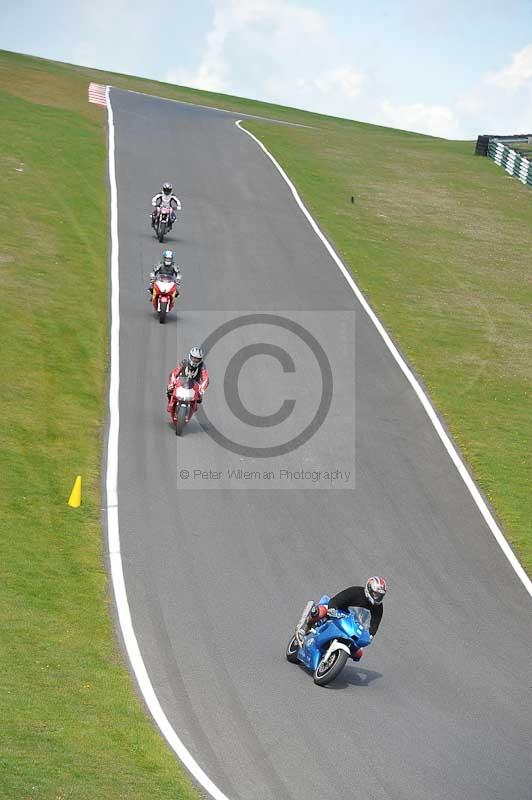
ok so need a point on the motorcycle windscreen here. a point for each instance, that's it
(358, 622)
(165, 287)
(361, 615)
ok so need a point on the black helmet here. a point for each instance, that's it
(167, 188)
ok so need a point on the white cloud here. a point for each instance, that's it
(517, 73)
(500, 102)
(94, 42)
(344, 80)
(436, 120)
(283, 52)
(280, 23)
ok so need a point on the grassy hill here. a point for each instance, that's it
(72, 728)
(438, 240)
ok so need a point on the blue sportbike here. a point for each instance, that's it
(326, 647)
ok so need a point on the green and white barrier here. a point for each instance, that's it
(514, 164)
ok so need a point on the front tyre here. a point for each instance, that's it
(329, 669)
(163, 310)
(291, 650)
(161, 230)
(180, 420)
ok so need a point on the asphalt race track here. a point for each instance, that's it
(217, 569)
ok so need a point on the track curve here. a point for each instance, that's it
(215, 579)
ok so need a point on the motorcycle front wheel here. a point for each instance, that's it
(329, 669)
(180, 420)
(161, 230)
(291, 650)
(163, 308)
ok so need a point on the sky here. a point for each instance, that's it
(449, 68)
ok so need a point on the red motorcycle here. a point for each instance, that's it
(186, 395)
(164, 291)
(162, 221)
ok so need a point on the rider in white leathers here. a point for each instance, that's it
(166, 196)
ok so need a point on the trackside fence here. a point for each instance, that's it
(497, 148)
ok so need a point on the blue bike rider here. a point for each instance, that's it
(369, 596)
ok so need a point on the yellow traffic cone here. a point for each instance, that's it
(75, 495)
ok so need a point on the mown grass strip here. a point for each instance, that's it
(71, 724)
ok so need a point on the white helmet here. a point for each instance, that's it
(195, 357)
(375, 589)
(168, 258)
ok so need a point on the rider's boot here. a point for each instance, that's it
(300, 632)
(305, 623)
(315, 614)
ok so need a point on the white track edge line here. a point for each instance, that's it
(117, 573)
(214, 108)
(425, 402)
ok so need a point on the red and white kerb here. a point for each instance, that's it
(97, 94)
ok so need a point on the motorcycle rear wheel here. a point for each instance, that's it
(291, 650)
(180, 420)
(327, 671)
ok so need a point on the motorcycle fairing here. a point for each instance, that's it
(346, 628)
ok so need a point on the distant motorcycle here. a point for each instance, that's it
(327, 646)
(162, 221)
(186, 394)
(163, 295)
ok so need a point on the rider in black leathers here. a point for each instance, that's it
(369, 596)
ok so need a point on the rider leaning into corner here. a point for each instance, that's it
(192, 366)
(166, 267)
(369, 596)
(167, 197)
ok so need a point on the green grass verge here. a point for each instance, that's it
(522, 148)
(71, 724)
(439, 241)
